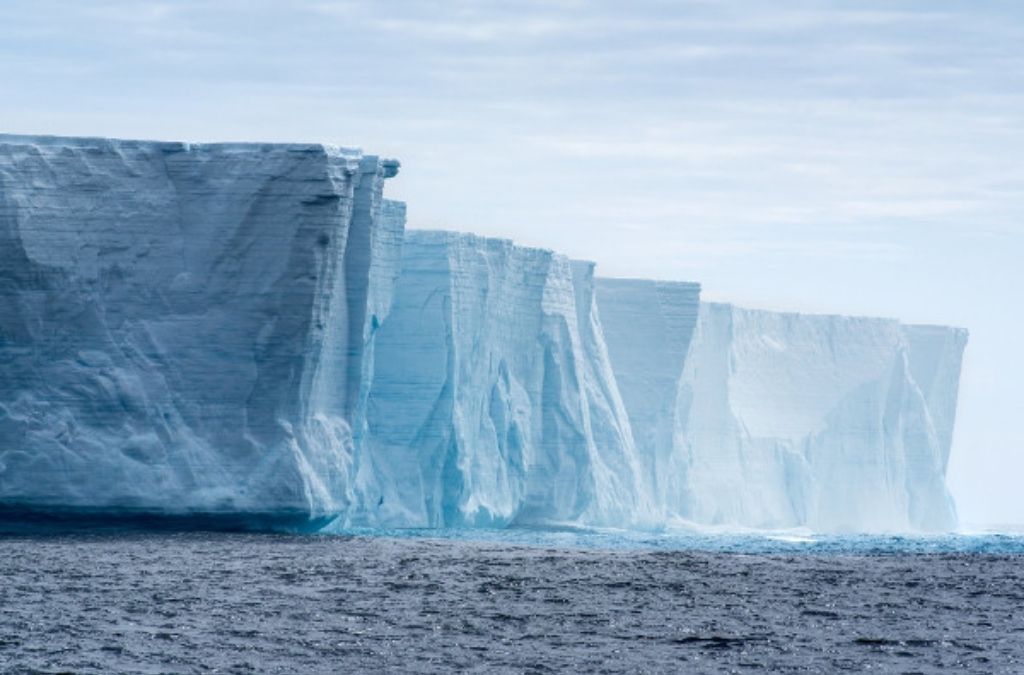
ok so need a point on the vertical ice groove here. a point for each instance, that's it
(647, 326)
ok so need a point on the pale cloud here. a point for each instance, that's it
(650, 150)
(475, 31)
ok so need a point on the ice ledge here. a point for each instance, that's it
(794, 314)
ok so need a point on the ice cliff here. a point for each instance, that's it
(493, 400)
(648, 332)
(775, 420)
(246, 331)
(187, 328)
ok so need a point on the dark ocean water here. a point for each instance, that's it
(508, 602)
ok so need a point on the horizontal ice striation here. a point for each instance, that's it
(493, 400)
(185, 328)
(787, 420)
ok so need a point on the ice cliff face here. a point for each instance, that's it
(247, 330)
(777, 420)
(648, 326)
(493, 400)
(187, 328)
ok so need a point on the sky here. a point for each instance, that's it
(841, 157)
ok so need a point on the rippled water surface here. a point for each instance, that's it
(519, 602)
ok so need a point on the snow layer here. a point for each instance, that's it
(787, 420)
(493, 400)
(186, 328)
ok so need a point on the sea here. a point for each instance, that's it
(508, 601)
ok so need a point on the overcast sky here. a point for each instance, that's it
(858, 157)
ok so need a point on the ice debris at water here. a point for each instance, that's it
(246, 329)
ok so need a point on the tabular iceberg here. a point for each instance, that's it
(493, 401)
(187, 328)
(776, 420)
(246, 331)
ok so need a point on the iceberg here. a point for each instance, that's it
(781, 420)
(493, 401)
(246, 333)
(187, 328)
